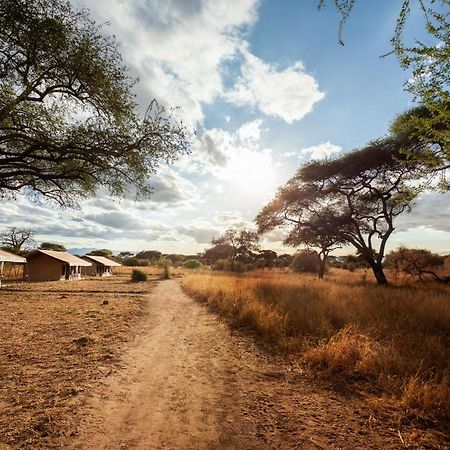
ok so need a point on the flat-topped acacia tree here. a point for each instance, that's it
(311, 220)
(353, 199)
(68, 119)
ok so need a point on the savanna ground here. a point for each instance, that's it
(297, 363)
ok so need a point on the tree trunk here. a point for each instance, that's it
(322, 263)
(379, 274)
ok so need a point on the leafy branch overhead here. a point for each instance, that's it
(68, 119)
(427, 59)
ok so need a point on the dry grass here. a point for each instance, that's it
(151, 271)
(53, 347)
(396, 338)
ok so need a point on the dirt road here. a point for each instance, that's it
(188, 382)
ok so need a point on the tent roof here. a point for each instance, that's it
(11, 257)
(102, 260)
(60, 256)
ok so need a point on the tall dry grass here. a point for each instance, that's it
(396, 337)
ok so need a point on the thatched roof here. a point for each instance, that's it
(102, 260)
(60, 256)
(11, 258)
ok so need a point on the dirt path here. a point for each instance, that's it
(188, 382)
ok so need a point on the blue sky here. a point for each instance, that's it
(267, 86)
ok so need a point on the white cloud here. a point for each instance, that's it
(320, 151)
(176, 47)
(288, 93)
(235, 157)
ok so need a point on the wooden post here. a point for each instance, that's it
(1, 272)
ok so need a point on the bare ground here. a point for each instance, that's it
(189, 382)
(54, 348)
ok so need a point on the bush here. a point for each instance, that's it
(222, 264)
(138, 275)
(131, 261)
(416, 263)
(165, 263)
(192, 264)
(306, 261)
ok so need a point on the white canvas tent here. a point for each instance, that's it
(6, 257)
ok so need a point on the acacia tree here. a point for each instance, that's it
(311, 220)
(369, 188)
(15, 238)
(68, 120)
(243, 242)
(52, 246)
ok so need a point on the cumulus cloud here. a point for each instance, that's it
(320, 151)
(288, 93)
(177, 47)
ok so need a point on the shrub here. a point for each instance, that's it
(306, 261)
(165, 263)
(138, 275)
(416, 263)
(222, 264)
(238, 267)
(131, 261)
(192, 264)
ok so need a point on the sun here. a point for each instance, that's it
(254, 173)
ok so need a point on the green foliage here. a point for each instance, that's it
(138, 275)
(222, 264)
(52, 246)
(176, 259)
(219, 251)
(243, 242)
(192, 264)
(54, 63)
(165, 263)
(101, 252)
(417, 263)
(428, 125)
(306, 261)
(152, 255)
(131, 261)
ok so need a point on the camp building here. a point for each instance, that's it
(101, 266)
(49, 265)
(10, 259)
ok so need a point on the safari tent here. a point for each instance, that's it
(101, 266)
(11, 259)
(49, 265)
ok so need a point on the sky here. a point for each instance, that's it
(266, 87)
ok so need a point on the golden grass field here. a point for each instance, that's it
(394, 340)
(57, 340)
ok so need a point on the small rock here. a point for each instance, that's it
(105, 302)
(82, 341)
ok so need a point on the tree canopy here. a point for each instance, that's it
(243, 242)
(101, 252)
(312, 222)
(52, 246)
(68, 119)
(14, 239)
(352, 199)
